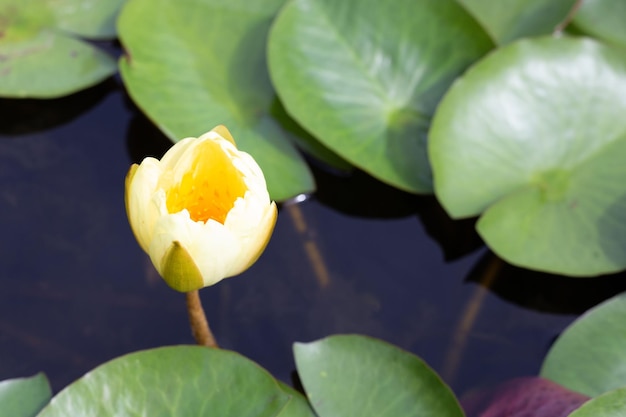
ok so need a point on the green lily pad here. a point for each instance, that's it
(603, 19)
(40, 56)
(24, 397)
(611, 404)
(589, 357)
(364, 76)
(508, 20)
(298, 406)
(173, 381)
(534, 136)
(357, 376)
(306, 142)
(87, 18)
(205, 66)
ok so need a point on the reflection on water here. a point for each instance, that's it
(358, 257)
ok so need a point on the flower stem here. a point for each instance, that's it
(197, 319)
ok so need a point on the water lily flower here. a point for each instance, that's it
(202, 213)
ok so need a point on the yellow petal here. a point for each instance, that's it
(127, 202)
(141, 184)
(179, 270)
(127, 182)
(224, 132)
(209, 186)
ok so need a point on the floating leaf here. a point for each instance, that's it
(523, 397)
(173, 381)
(297, 406)
(611, 404)
(87, 18)
(364, 76)
(534, 136)
(589, 356)
(356, 376)
(39, 58)
(24, 397)
(603, 19)
(204, 66)
(508, 20)
(306, 142)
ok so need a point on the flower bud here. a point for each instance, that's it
(202, 213)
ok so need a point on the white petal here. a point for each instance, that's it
(254, 240)
(173, 154)
(249, 168)
(212, 247)
(142, 211)
(177, 161)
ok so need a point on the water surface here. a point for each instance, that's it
(357, 257)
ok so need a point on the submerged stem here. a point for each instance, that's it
(197, 319)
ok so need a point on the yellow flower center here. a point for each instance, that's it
(210, 188)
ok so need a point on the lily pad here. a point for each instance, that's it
(611, 404)
(508, 20)
(589, 357)
(205, 66)
(534, 136)
(364, 76)
(603, 19)
(523, 397)
(173, 381)
(298, 406)
(24, 397)
(87, 18)
(40, 55)
(357, 376)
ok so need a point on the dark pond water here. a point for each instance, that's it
(357, 257)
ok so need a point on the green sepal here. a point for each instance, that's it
(179, 270)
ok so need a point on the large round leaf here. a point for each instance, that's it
(611, 404)
(604, 19)
(508, 20)
(535, 136)
(24, 397)
(93, 19)
(364, 76)
(298, 406)
(523, 397)
(205, 66)
(356, 376)
(39, 59)
(173, 381)
(590, 357)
